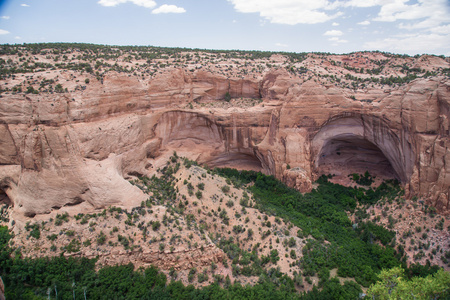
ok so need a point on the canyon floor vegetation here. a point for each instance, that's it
(224, 233)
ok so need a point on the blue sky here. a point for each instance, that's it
(338, 26)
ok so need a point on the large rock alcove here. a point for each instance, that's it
(202, 139)
(348, 144)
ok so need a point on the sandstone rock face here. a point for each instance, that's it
(80, 148)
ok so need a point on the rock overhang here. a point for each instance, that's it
(294, 124)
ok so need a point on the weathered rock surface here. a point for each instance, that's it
(80, 148)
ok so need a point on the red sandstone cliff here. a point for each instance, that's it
(79, 147)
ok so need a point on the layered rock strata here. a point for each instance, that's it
(81, 148)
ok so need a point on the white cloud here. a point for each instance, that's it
(431, 13)
(111, 2)
(364, 23)
(366, 3)
(17, 37)
(5, 17)
(441, 29)
(24, 5)
(335, 24)
(411, 43)
(334, 37)
(166, 9)
(337, 40)
(2, 31)
(426, 20)
(333, 33)
(281, 45)
(289, 12)
(143, 3)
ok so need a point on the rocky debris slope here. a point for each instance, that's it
(182, 228)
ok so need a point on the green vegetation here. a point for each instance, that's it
(29, 61)
(73, 246)
(365, 179)
(62, 278)
(101, 238)
(61, 218)
(225, 188)
(156, 225)
(162, 187)
(35, 230)
(361, 250)
(52, 237)
(392, 284)
(227, 97)
(322, 215)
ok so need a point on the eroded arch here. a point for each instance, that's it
(363, 142)
(208, 142)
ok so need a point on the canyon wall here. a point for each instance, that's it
(80, 149)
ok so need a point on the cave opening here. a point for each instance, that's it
(4, 199)
(196, 137)
(351, 143)
(346, 154)
(236, 160)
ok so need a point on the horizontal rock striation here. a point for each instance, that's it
(80, 148)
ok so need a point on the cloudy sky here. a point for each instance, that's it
(338, 26)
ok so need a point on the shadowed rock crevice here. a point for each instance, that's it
(4, 199)
(236, 160)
